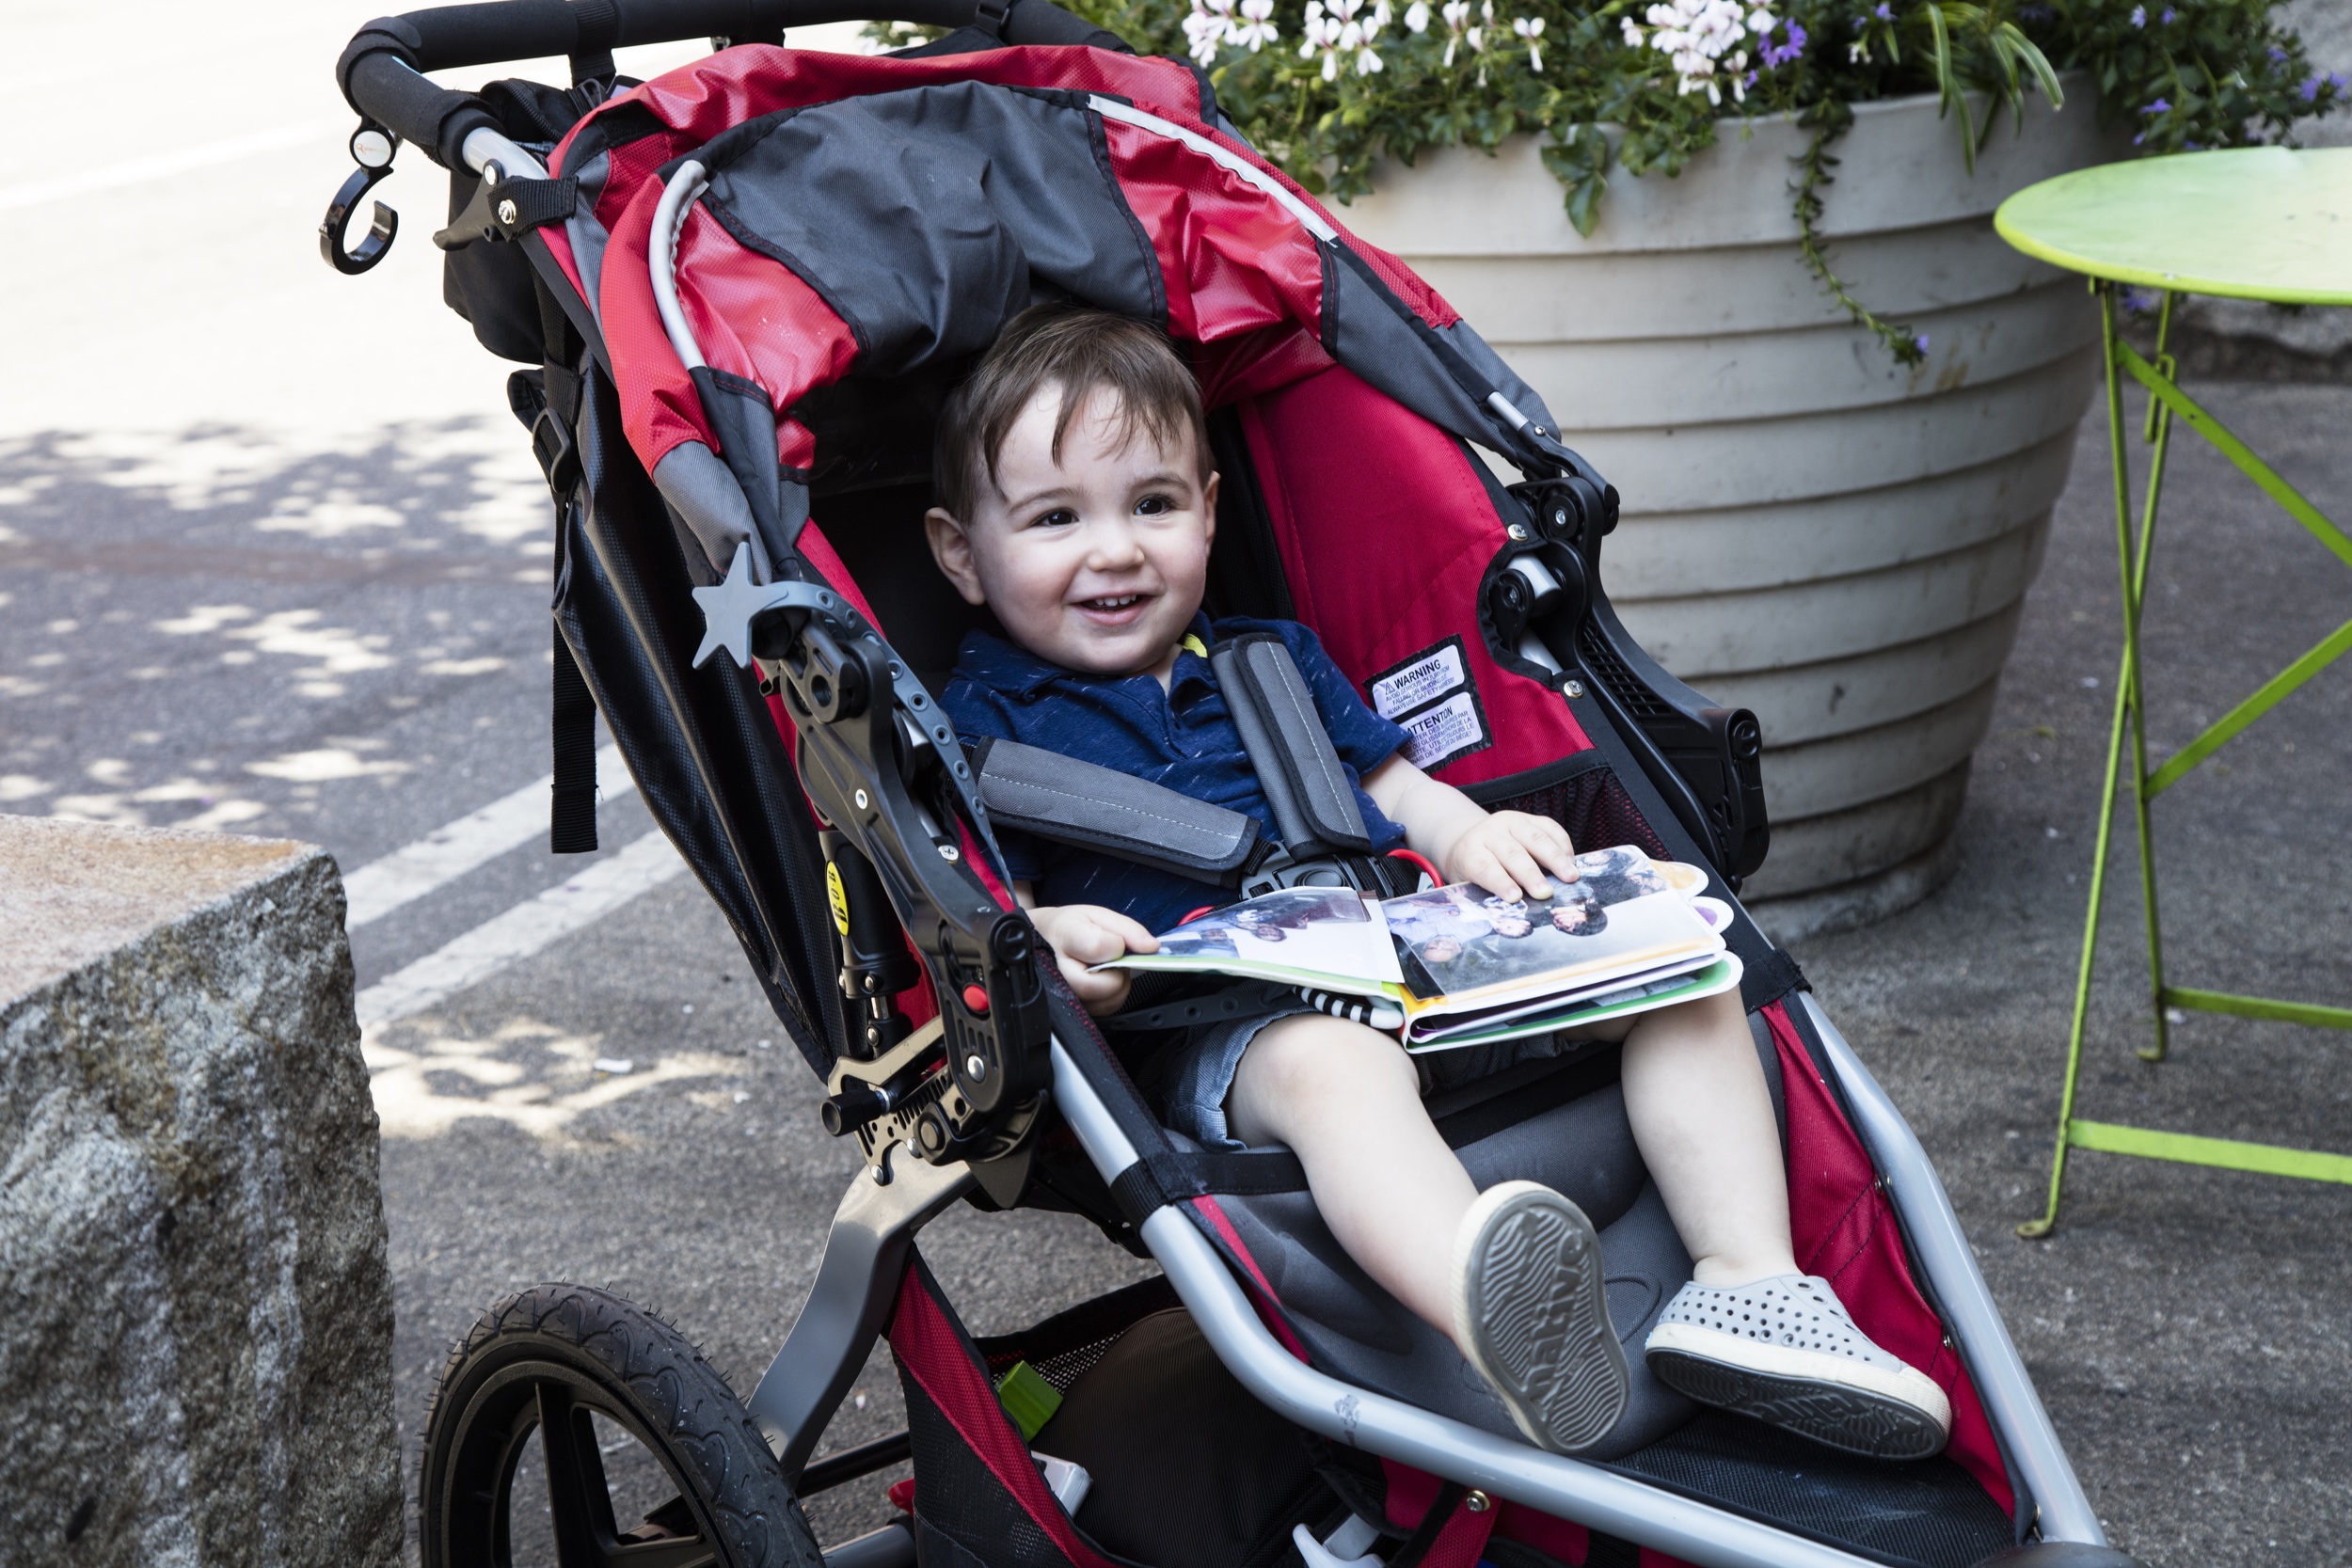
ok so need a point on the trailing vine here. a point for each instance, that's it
(1906, 347)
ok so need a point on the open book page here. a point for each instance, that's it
(1464, 949)
(1324, 937)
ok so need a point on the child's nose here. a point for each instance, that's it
(1116, 545)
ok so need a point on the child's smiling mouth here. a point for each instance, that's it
(1113, 610)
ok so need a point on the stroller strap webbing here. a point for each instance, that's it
(1312, 800)
(572, 715)
(572, 811)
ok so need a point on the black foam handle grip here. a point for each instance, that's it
(380, 67)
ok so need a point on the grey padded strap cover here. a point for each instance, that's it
(1315, 804)
(1070, 802)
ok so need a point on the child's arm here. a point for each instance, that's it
(1083, 934)
(1507, 852)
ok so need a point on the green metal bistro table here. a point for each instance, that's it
(2258, 223)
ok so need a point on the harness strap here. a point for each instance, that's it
(1292, 754)
(1084, 803)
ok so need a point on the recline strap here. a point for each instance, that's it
(1155, 1181)
(1084, 803)
(1315, 806)
(572, 812)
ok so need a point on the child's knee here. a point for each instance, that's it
(1310, 1055)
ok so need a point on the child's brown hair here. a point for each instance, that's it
(1079, 349)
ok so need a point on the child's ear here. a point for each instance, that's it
(952, 548)
(1208, 506)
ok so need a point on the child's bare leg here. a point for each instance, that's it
(1512, 1276)
(1347, 1103)
(1703, 1119)
(1750, 1333)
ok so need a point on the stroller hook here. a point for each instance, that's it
(372, 149)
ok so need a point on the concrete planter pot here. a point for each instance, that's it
(1810, 531)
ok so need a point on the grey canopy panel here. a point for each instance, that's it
(928, 219)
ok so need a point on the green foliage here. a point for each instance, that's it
(2223, 71)
(1329, 88)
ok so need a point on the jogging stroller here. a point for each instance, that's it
(743, 289)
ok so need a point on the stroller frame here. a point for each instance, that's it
(848, 695)
(865, 1254)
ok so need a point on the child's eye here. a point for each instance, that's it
(1154, 506)
(1061, 517)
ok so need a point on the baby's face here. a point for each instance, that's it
(1097, 563)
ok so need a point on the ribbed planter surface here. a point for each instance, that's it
(1810, 531)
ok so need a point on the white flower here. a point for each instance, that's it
(1456, 12)
(1856, 53)
(1531, 31)
(1632, 33)
(1696, 35)
(1257, 30)
(1417, 17)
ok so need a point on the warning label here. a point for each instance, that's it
(1437, 735)
(1421, 679)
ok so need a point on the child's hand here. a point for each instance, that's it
(1508, 852)
(1083, 934)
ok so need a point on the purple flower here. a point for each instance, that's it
(2278, 56)
(2337, 80)
(1883, 12)
(2141, 138)
(1778, 54)
(2159, 106)
(2139, 16)
(1920, 342)
(2169, 14)
(2310, 88)
(2192, 146)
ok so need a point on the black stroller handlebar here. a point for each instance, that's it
(381, 70)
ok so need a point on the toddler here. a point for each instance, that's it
(1077, 503)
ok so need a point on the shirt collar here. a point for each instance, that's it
(1002, 665)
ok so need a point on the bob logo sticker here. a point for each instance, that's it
(1432, 696)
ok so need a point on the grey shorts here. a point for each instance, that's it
(1189, 1085)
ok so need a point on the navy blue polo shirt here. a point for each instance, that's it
(1183, 737)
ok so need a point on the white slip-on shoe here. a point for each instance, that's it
(1530, 1313)
(1785, 1350)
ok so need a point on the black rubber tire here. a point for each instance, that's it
(556, 1348)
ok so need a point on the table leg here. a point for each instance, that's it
(2158, 433)
(2133, 567)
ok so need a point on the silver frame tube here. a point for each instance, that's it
(680, 194)
(1565, 1488)
(1991, 1356)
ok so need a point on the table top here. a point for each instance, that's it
(2251, 223)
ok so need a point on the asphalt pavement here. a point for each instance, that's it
(272, 560)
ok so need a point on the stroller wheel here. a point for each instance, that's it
(566, 1416)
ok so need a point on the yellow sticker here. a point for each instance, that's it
(839, 897)
(1193, 645)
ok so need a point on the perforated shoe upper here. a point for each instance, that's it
(1798, 1312)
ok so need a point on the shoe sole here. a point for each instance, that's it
(1533, 1310)
(1832, 1411)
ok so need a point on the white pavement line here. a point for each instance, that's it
(594, 892)
(447, 853)
(162, 165)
